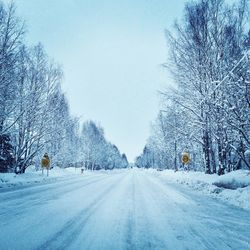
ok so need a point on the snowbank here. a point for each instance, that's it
(233, 187)
(33, 176)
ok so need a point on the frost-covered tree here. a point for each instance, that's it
(92, 145)
(146, 159)
(32, 106)
(6, 153)
(37, 87)
(207, 113)
(96, 152)
(34, 112)
(209, 62)
(11, 33)
(114, 158)
(124, 161)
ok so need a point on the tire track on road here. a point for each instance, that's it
(71, 230)
(196, 224)
(139, 234)
(131, 218)
(24, 206)
(151, 234)
(25, 191)
(180, 213)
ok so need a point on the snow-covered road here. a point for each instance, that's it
(127, 209)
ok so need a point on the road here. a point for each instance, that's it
(127, 209)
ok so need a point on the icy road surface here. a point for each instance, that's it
(128, 209)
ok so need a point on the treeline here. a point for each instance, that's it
(96, 152)
(34, 112)
(208, 112)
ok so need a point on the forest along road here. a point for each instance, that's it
(126, 209)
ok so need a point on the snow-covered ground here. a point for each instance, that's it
(32, 176)
(125, 209)
(233, 187)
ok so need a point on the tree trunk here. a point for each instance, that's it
(206, 152)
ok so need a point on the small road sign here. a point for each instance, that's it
(45, 162)
(185, 158)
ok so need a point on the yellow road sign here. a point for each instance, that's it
(185, 158)
(45, 162)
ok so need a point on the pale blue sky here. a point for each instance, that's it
(111, 53)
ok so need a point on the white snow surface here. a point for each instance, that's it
(121, 209)
(33, 176)
(233, 187)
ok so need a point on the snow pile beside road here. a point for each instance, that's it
(33, 176)
(233, 187)
(234, 180)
